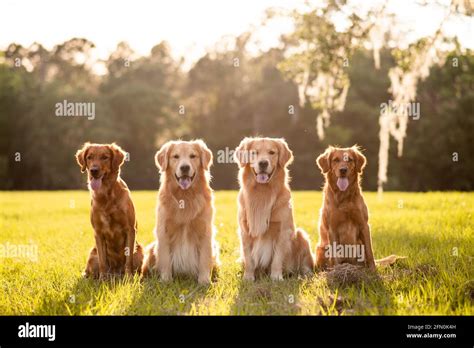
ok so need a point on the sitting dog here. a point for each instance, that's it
(184, 229)
(112, 213)
(344, 232)
(269, 239)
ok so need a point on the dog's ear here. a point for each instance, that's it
(324, 161)
(360, 160)
(161, 157)
(81, 156)
(242, 152)
(118, 156)
(285, 156)
(205, 153)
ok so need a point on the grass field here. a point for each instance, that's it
(434, 231)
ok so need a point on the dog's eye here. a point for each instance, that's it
(176, 156)
(192, 156)
(89, 157)
(336, 160)
(104, 158)
(271, 152)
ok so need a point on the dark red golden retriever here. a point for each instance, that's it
(344, 232)
(112, 213)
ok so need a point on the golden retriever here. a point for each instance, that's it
(184, 229)
(344, 232)
(269, 239)
(112, 213)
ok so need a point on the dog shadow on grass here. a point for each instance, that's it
(126, 296)
(85, 297)
(181, 296)
(267, 297)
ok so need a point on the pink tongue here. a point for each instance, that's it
(262, 178)
(342, 183)
(184, 183)
(96, 183)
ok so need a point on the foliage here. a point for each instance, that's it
(228, 94)
(318, 51)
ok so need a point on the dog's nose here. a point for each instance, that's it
(94, 171)
(263, 165)
(184, 168)
(343, 171)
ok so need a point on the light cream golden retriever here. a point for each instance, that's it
(269, 239)
(184, 229)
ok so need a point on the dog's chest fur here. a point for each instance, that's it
(184, 249)
(185, 217)
(185, 209)
(258, 213)
(263, 231)
(343, 223)
(185, 229)
(110, 223)
(262, 252)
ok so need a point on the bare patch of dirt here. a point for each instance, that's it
(347, 274)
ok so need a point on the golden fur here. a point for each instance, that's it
(344, 215)
(269, 239)
(184, 229)
(112, 213)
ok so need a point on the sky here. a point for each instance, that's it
(191, 27)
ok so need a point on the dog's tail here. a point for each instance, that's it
(389, 260)
(303, 252)
(149, 260)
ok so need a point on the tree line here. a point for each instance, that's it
(141, 102)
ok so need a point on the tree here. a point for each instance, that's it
(319, 52)
(140, 103)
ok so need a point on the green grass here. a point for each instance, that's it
(428, 228)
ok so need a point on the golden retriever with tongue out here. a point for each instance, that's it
(112, 213)
(184, 229)
(270, 242)
(344, 232)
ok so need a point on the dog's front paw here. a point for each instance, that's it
(128, 272)
(276, 277)
(249, 276)
(166, 277)
(104, 276)
(372, 267)
(204, 279)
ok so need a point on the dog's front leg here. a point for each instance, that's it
(280, 253)
(276, 268)
(367, 239)
(365, 236)
(205, 258)
(249, 264)
(129, 250)
(164, 262)
(276, 272)
(163, 257)
(321, 259)
(246, 250)
(101, 254)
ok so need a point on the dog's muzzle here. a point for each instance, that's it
(262, 176)
(184, 181)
